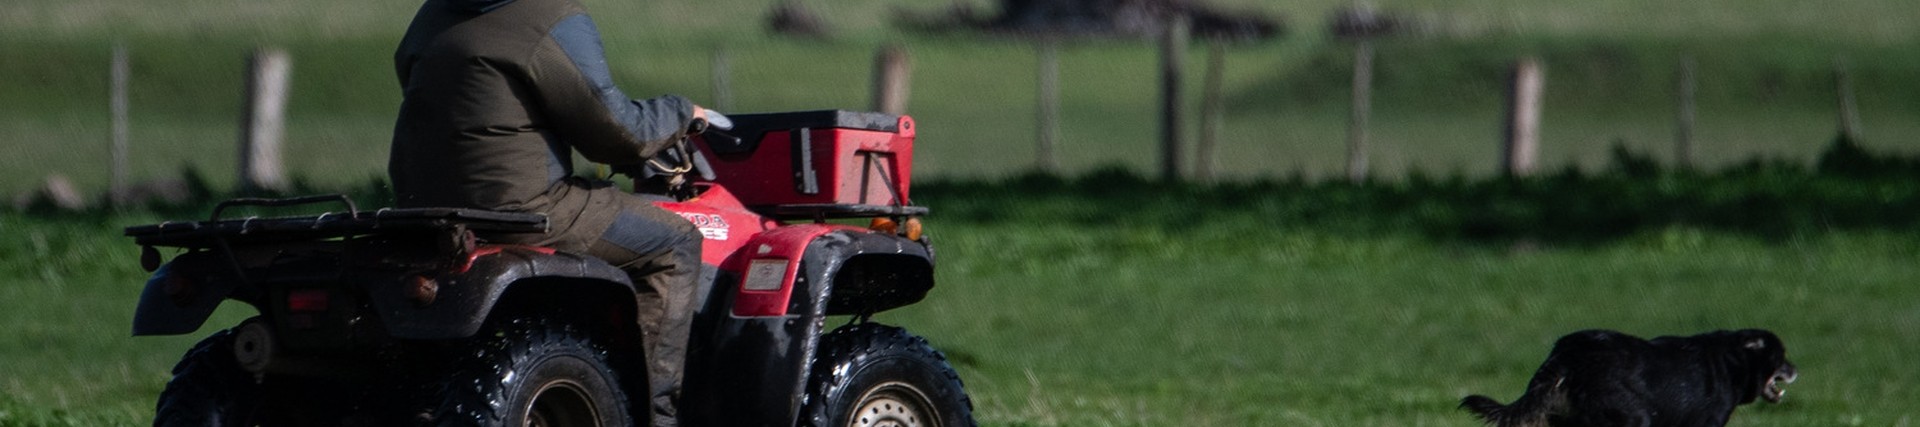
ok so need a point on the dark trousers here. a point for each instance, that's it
(660, 251)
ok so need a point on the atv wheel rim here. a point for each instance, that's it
(561, 403)
(894, 404)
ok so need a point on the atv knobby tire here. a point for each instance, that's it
(534, 373)
(873, 375)
(209, 388)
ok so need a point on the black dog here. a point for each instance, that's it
(1605, 378)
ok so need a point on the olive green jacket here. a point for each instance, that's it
(498, 94)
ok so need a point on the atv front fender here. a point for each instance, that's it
(760, 346)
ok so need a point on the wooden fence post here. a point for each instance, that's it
(1360, 23)
(1211, 111)
(892, 69)
(1683, 134)
(1683, 151)
(1049, 108)
(264, 125)
(1849, 111)
(1362, 111)
(117, 194)
(1173, 49)
(722, 80)
(1523, 117)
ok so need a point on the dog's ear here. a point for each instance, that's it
(1756, 344)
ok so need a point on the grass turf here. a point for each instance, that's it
(1234, 321)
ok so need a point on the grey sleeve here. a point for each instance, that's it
(577, 94)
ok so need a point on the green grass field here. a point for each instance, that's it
(1236, 321)
(1232, 326)
(1135, 318)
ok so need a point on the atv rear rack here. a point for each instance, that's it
(836, 211)
(207, 234)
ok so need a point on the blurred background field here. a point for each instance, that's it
(1765, 72)
(1101, 298)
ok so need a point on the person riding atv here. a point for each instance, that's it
(497, 96)
(502, 291)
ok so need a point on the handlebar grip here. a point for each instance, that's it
(722, 140)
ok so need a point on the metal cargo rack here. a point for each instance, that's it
(823, 211)
(217, 231)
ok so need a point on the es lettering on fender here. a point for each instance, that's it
(711, 226)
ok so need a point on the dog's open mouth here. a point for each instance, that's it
(1776, 386)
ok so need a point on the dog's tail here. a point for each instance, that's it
(1486, 408)
(1530, 410)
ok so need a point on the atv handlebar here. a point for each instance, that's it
(710, 128)
(713, 128)
(681, 156)
(711, 125)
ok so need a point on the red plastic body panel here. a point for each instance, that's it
(787, 243)
(735, 237)
(851, 166)
(723, 221)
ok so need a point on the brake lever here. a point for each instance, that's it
(719, 121)
(717, 138)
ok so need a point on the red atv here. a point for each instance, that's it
(405, 316)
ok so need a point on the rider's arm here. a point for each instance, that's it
(575, 92)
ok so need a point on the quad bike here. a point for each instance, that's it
(410, 316)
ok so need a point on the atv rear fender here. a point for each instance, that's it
(461, 298)
(180, 296)
(758, 352)
(466, 297)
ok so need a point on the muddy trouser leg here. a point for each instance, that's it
(660, 251)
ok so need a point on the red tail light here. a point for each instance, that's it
(180, 289)
(307, 301)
